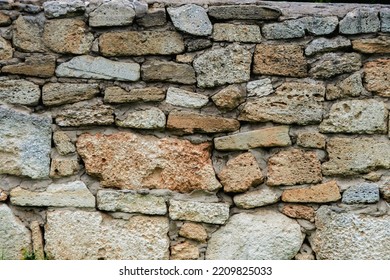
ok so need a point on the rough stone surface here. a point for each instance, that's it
(267, 137)
(112, 13)
(363, 193)
(194, 211)
(385, 20)
(92, 235)
(358, 116)
(264, 235)
(187, 123)
(25, 143)
(37, 240)
(360, 21)
(327, 45)
(297, 211)
(257, 198)
(326, 192)
(38, 65)
(379, 44)
(377, 76)
(73, 194)
(293, 102)
(324, 67)
(353, 156)
(284, 30)
(283, 60)
(197, 44)
(131, 161)
(148, 118)
(193, 231)
(318, 25)
(293, 167)
(6, 50)
(350, 86)
(119, 95)
(167, 71)
(222, 66)
(191, 19)
(5, 20)
(89, 67)
(244, 12)
(27, 34)
(259, 88)
(3, 195)
(54, 94)
(127, 43)
(19, 92)
(311, 140)
(184, 251)
(241, 173)
(131, 202)
(15, 238)
(229, 98)
(154, 17)
(248, 33)
(63, 166)
(349, 236)
(63, 143)
(185, 98)
(385, 192)
(68, 8)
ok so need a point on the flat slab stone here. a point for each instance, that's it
(19, 92)
(248, 33)
(168, 71)
(38, 65)
(363, 193)
(380, 44)
(185, 98)
(119, 95)
(321, 193)
(244, 12)
(68, 8)
(54, 94)
(147, 118)
(260, 197)
(326, 45)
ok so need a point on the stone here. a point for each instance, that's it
(304, 257)
(25, 143)
(327, 45)
(236, 12)
(129, 43)
(186, 58)
(293, 102)
(363, 193)
(63, 143)
(293, 167)
(131, 161)
(287, 29)
(5, 20)
(167, 71)
(311, 140)
(259, 88)
(112, 13)
(229, 98)
(282, 60)
(93, 235)
(379, 44)
(377, 76)
(324, 66)
(366, 116)
(184, 251)
(59, 9)
(54, 94)
(84, 113)
(297, 211)
(72, 194)
(27, 34)
(349, 156)
(257, 198)
(360, 21)
(19, 92)
(222, 66)
(148, 118)
(67, 36)
(64, 166)
(318, 26)
(89, 67)
(276, 136)
(197, 44)
(15, 238)
(37, 241)
(350, 236)
(322, 193)
(154, 17)
(385, 192)
(191, 19)
(263, 235)
(130, 202)
(187, 123)
(119, 95)
(6, 50)
(194, 211)
(350, 86)
(39, 65)
(247, 33)
(193, 231)
(3, 195)
(185, 98)
(385, 19)
(241, 173)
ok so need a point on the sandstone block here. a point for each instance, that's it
(311, 140)
(324, 66)
(112, 13)
(27, 34)
(193, 231)
(68, 8)
(64, 166)
(350, 86)
(318, 25)
(63, 143)
(184, 251)
(379, 44)
(363, 193)
(236, 33)
(297, 211)
(38, 65)
(287, 29)
(244, 12)
(119, 95)
(6, 50)
(148, 118)
(385, 19)
(54, 94)
(229, 98)
(360, 21)
(327, 45)
(322, 193)
(19, 92)
(377, 76)
(257, 198)
(259, 88)
(167, 71)
(185, 98)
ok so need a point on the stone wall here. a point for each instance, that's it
(169, 130)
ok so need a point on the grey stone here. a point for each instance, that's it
(19, 92)
(324, 67)
(263, 235)
(148, 118)
(327, 45)
(350, 86)
(184, 98)
(321, 25)
(63, 143)
(288, 29)
(363, 193)
(349, 236)
(27, 34)
(154, 17)
(248, 33)
(25, 143)
(54, 94)
(223, 66)
(112, 13)
(6, 50)
(72, 194)
(212, 213)
(89, 67)
(93, 235)
(385, 20)
(167, 71)
(197, 44)
(131, 202)
(244, 12)
(263, 196)
(360, 21)
(69, 8)
(15, 238)
(259, 88)
(191, 19)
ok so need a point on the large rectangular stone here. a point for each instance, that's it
(119, 95)
(54, 94)
(244, 12)
(236, 33)
(168, 71)
(19, 92)
(322, 193)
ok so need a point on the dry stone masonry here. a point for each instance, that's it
(172, 129)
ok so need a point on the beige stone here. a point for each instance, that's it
(248, 33)
(168, 71)
(146, 118)
(112, 13)
(311, 140)
(54, 94)
(350, 86)
(193, 231)
(37, 240)
(64, 166)
(5, 20)
(119, 95)
(63, 143)
(131, 161)
(229, 98)
(377, 76)
(184, 251)
(322, 193)
(379, 44)
(298, 211)
(293, 167)
(262, 196)
(6, 50)
(241, 173)
(3, 195)
(20, 92)
(27, 34)
(185, 98)
(38, 65)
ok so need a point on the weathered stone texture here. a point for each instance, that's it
(193, 231)
(5, 20)
(327, 45)
(326, 192)
(68, 8)
(147, 118)
(379, 44)
(350, 86)
(377, 76)
(298, 211)
(154, 17)
(131, 161)
(92, 235)
(363, 193)
(264, 235)
(63, 166)
(257, 198)
(318, 25)
(27, 34)
(119, 95)
(184, 251)
(185, 98)
(311, 140)
(197, 44)
(54, 94)
(63, 143)
(284, 30)
(39, 65)
(360, 21)
(19, 92)
(3, 195)
(244, 12)
(236, 33)
(259, 88)
(332, 64)
(229, 98)
(167, 71)
(37, 240)
(6, 50)
(385, 19)
(112, 13)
